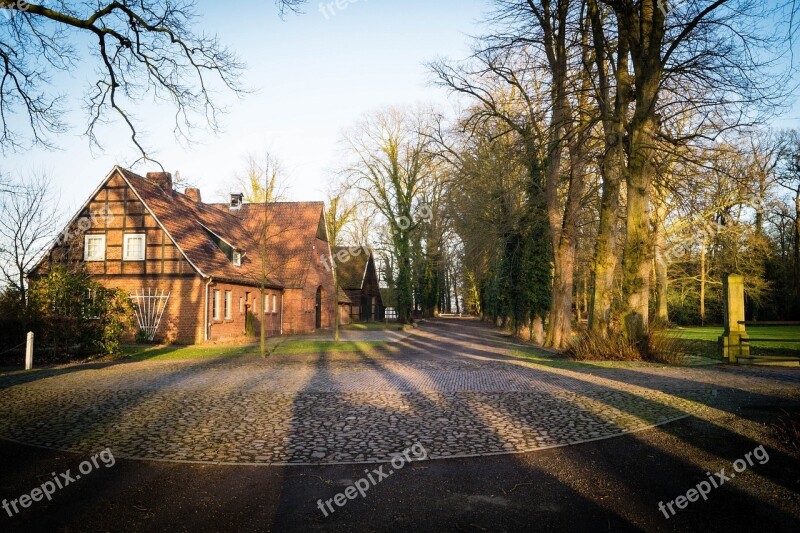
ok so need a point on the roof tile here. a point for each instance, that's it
(287, 228)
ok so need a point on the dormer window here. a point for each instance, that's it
(236, 200)
(237, 258)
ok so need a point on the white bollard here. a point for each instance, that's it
(29, 352)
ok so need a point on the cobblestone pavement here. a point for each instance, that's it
(450, 385)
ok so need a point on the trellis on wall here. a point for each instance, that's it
(150, 306)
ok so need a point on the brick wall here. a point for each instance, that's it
(182, 321)
(243, 299)
(300, 303)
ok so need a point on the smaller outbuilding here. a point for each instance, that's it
(357, 277)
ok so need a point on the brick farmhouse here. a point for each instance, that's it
(358, 280)
(209, 262)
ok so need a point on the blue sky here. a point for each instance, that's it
(315, 74)
(314, 77)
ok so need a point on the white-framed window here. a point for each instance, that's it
(266, 303)
(94, 248)
(216, 305)
(228, 304)
(237, 259)
(274, 304)
(133, 247)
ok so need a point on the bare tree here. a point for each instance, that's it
(391, 167)
(27, 226)
(525, 82)
(262, 179)
(264, 175)
(340, 212)
(143, 49)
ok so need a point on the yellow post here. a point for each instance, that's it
(734, 341)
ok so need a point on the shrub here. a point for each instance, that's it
(142, 337)
(657, 346)
(73, 314)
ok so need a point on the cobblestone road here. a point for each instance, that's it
(450, 386)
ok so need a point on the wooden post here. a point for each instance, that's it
(734, 341)
(29, 352)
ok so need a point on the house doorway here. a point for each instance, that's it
(318, 308)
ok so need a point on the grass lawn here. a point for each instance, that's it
(314, 347)
(704, 339)
(168, 353)
(174, 353)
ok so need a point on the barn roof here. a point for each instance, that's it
(351, 267)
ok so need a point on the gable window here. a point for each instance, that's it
(234, 256)
(216, 306)
(94, 248)
(133, 247)
(228, 301)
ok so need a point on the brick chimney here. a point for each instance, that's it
(161, 179)
(237, 199)
(194, 194)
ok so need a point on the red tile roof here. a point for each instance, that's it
(288, 229)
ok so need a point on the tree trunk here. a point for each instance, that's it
(637, 256)
(538, 330)
(661, 266)
(564, 221)
(404, 282)
(455, 291)
(642, 25)
(559, 328)
(585, 294)
(703, 280)
(263, 328)
(604, 262)
(797, 238)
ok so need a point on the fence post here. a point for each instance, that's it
(734, 341)
(29, 352)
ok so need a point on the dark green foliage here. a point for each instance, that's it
(72, 314)
(250, 324)
(142, 337)
(519, 286)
